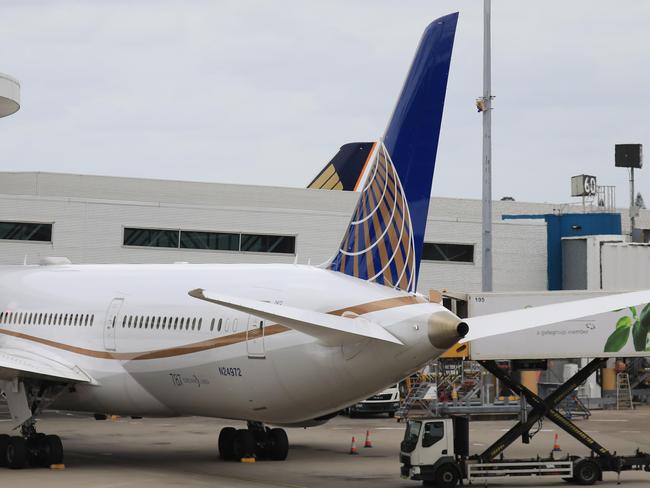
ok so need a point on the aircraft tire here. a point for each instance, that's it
(279, 444)
(227, 443)
(16, 453)
(244, 444)
(4, 441)
(52, 450)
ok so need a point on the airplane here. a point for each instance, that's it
(285, 345)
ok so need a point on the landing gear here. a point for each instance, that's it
(25, 401)
(257, 441)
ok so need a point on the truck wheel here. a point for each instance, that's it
(446, 476)
(586, 472)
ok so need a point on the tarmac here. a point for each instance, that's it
(124, 452)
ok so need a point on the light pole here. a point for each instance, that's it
(486, 108)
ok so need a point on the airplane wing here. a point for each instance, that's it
(16, 363)
(329, 329)
(528, 318)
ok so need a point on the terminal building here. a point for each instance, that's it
(100, 219)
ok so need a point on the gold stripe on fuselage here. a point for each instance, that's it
(213, 343)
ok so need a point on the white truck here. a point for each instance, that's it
(436, 452)
(386, 401)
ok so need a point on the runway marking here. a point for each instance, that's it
(608, 420)
(389, 428)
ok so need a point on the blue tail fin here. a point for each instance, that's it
(383, 242)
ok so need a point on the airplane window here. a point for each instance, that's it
(193, 323)
(219, 326)
(29, 319)
(187, 324)
(141, 321)
(146, 323)
(65, 319)
(182, 322)
(227, 325)
(123, 322)
(158, 323)
(200, 322)
(2, 317)
(20, 318)
(261, 324)
(92, 319)
(175, 323)
(212, 325)
(76, 319)
(234, 325)
(40, 318)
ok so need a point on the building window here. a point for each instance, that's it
(437, 251)
(215, 241)
(211, 241)
(268, 243)
(150, 237)
(25, 231)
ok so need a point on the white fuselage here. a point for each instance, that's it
(153, 350)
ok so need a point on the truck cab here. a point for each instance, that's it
(430, 449)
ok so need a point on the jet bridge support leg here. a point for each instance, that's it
(541, 408)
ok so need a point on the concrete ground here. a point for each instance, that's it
(182, 452)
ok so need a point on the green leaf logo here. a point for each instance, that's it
(618, 338)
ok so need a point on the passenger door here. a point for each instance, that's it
(110, 323)
(255, 337)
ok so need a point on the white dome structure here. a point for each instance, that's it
(9, 95)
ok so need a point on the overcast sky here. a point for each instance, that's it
(265, 92)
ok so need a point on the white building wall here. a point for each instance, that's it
(89, 213)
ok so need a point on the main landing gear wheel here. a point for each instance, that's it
(278, 448)
(256, 441)
(226, 441)
(244, 444)
(4, 442)
(16, 453)
(45, 450)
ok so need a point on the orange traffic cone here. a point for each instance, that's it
(353, 446)
(556, 444)
(368, 442)
(556, 453)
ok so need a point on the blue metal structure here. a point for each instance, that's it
(570, 225)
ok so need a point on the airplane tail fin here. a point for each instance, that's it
(346, 169)
(383, 242)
